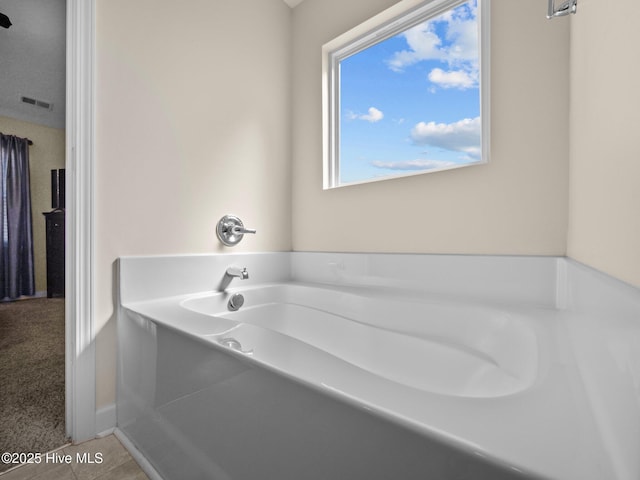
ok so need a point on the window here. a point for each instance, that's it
(408, 96)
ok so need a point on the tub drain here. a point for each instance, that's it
(235, 302)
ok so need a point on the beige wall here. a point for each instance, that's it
(192, 122)
(46, 153)
(604, 224)
(516, 204)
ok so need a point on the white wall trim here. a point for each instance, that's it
(80, 336)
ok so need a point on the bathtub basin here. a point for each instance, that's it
(467, 351)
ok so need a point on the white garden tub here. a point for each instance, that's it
(371, 377)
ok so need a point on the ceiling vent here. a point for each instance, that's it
(37, 103)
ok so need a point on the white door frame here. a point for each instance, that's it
(79, 317)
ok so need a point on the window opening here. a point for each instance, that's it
(409, 96)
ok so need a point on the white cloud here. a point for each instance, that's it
(424, 44)
(408, 165)
(463, 32)
(458, 46)
(459, 79)
(373, 115)
(462, 136)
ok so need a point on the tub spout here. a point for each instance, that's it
(234, 271)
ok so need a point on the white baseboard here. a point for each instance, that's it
(38, 294)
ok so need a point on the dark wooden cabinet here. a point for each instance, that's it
(55, 252)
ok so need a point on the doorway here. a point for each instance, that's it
(32, 329)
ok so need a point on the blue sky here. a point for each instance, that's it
(411, 103)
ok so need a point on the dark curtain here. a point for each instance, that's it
(16, 248)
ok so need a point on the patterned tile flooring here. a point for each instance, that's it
(99, 459)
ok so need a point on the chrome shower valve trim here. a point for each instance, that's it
(230, 230)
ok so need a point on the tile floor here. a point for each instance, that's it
(116, 464)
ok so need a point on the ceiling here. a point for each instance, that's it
(32, 60)
(32, 55)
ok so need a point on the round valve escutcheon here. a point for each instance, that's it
(230, 230)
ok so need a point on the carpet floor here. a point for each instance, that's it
(32, 370)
